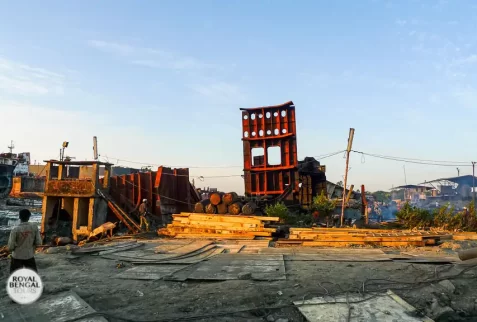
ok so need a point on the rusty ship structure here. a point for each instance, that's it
(12, 165)
(7, 165)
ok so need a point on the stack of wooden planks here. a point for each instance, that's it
(464, 236)
(342, 237)
(193, 225)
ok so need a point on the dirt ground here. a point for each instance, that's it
(91, 278)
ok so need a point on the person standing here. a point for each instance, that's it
(143, 213)
(22, 243)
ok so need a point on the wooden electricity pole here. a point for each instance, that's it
(364, 205)
(473, 183)
(348, 150)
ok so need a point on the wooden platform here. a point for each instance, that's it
(192, 225)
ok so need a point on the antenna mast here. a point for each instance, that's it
(11, 147)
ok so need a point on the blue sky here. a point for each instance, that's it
(163, 81)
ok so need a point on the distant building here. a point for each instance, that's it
(413, 193)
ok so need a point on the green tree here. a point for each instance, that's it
(340, 183)
(277, 210)
(382, 196)
(323, 205)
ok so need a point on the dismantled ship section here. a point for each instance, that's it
(79, 197)
(167, 191)
(77, 201)
(271, 167)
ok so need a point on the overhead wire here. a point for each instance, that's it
(322, 156)
(202, 177)
(417, 161)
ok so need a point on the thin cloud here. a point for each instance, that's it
(466, 96)
(112, 48)
(220, 92)
(177, 63)
(19, 78)
(472, 59)
(150, 57)
(401, 22)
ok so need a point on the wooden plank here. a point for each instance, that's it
(324, 251)
(227, 217)
(364, 233)
(347, 243)
(214, 236)
(464, 237)
(218, 227)
(217, 232)
(221, 224)
(220, 218)
(343, 243)
(364, 238)
(338, 230)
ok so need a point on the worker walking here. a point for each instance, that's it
(143, 213)
(22, 243)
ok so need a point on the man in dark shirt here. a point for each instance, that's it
(143, 213)
(22, 243)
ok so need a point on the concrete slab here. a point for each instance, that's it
(155, 272)
(386, 307)
(54, 308)
(230, 266)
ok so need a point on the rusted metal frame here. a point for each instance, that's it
(123, 190)
(274, 136)
(120, 217)
(139, 191)
(287, 104)
(265, 149)
(149, 177)
(157, 185)
(273, 129)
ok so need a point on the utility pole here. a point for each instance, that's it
(62, 150)
(348, 150)
(95, 148)
(473, 183)
(458, 172)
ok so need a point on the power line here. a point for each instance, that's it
(318, 158)
(417, 161)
